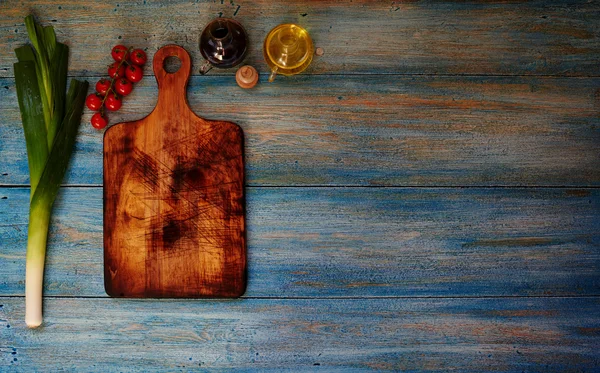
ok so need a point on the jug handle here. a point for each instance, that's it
(205, 67)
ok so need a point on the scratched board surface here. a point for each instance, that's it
(423, 198)
(174, 199)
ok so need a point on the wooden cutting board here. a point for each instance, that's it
(174, 200)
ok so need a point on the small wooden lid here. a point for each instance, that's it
(246, 76)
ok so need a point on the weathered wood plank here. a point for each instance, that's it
(379, 130)
(430, 335)
(357, 242)
(362, 36)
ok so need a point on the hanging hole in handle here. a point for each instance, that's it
(172, 64)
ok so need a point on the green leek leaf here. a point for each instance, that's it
(58, 73)
(58, 160)
(32, 116)
(37, 36)
(49, 41)
(25, 53)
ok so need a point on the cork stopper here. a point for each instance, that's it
(246, 76)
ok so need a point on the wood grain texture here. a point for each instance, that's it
(376, 130)
(428, 335)
(357, 242)
(358, 36)
(174, 199)
(434, 277)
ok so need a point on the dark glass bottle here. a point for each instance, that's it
(223, 44)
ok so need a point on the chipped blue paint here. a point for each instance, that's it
(430, 131)
(517, 38)
(355, 242)
(340, 335)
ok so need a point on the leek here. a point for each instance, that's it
(50, 119)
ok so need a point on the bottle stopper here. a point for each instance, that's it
(246, 76)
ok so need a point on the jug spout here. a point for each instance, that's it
(273, 74)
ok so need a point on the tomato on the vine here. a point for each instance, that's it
(123, 87)
(93, 101)
(119, 52)
(134, 73)
(138, 57)
(98, 121)
(123, 73)
(103, 86)
(116, 71)
(113, 102)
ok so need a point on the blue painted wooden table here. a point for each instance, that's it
(424, 198)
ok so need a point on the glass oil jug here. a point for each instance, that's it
(288, 50)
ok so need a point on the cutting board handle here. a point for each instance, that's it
(171, 86)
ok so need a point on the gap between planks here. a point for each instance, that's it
(359, 74)
(407, 297)
(90, 186)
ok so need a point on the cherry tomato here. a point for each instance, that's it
(123, 87)
(119, 52)
(103, 86)
(99, 121)
(134, 73)
(94, 101)
(116, 71)
(138, 57)
(113, 102)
